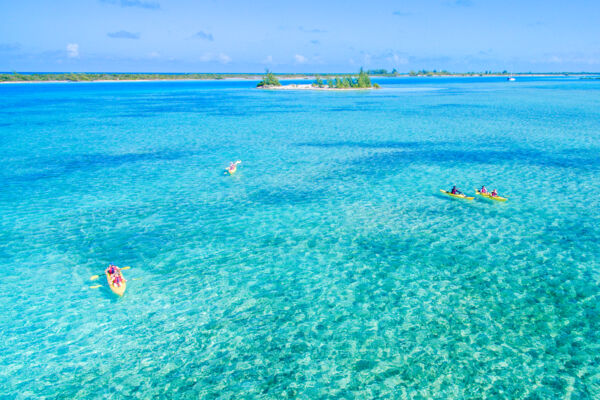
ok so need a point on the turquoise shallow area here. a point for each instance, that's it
(329, 266)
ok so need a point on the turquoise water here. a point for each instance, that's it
(329, 266)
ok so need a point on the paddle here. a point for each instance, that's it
(94, 277)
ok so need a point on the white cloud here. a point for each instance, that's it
(268, 60)
(72, 50)
(154, 54)
(221, 57)
(396, 59)
(300, 59)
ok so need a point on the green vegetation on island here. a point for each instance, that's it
(360, 81)
(269, 80)
(318, 82)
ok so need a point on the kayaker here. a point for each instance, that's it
(117, 280)
(483, 189)
(113, 269)
(455, 190)
(494, 193)
(233, 166)
(115, 274)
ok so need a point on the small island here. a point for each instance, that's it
(360, 81)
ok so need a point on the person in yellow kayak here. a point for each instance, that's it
(115, 273)
(494, 193)
(483, 190)
(233, 167)
(455, 190)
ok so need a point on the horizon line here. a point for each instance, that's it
(375, 72)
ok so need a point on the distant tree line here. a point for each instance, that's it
(272, 79)
(383, 72)
(83, 77)
(443, 72)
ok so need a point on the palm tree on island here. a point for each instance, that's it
(269, 80)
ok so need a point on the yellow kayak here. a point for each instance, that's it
(116, 289)
(457, 196)
(489, 196)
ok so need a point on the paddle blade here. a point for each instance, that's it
(95, 286)
(94, 277)
(125, 268)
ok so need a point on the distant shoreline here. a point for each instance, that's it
(141, 80)
(217, 77)
(253, 78)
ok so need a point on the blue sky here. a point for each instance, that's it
(308, 36)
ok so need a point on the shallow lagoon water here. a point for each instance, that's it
(329, 266)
